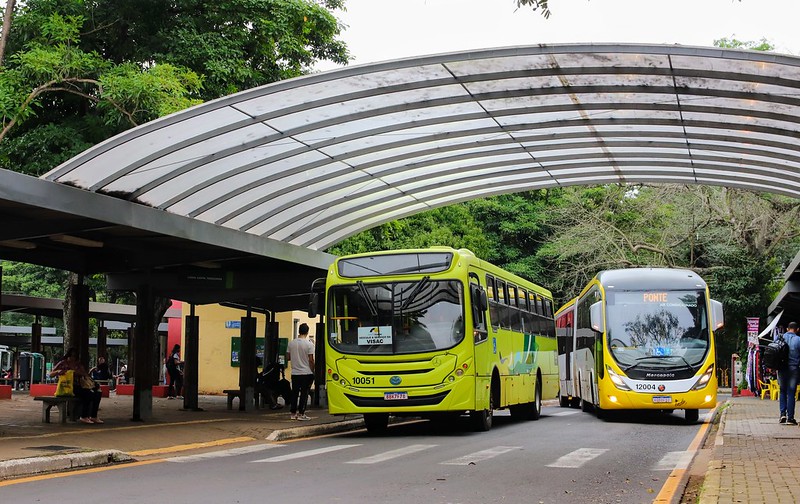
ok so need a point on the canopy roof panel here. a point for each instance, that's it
(313, 160)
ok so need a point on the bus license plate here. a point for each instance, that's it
(662, 399)
(395, 396)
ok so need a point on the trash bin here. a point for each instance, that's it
(25, 367)
(37, 368)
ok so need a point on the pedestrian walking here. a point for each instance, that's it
(300, 353)
(788, 374)
(175, 371)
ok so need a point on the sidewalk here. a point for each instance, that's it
(753, 459)
(28, 446)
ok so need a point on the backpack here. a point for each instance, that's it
(776, 354)
(170, 363)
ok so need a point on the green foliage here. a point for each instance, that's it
(452, 226)
(732, 43)
(233, 44)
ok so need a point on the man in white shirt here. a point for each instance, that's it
(300, 353)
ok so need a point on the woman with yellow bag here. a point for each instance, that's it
(83, 385)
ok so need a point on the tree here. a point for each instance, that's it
(79, 72)
(536, 5)
(452, 226)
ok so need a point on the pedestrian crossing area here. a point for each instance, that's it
(283, 453)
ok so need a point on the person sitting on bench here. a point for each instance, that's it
(84, 388)
(272, 383)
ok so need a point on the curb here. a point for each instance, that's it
(38, 465)
(315, 430)
(718, 441)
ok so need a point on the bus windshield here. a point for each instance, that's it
(657, 328)
(395, 317)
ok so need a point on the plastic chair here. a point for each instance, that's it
(774, 390)
(770, 388)
(765, 389)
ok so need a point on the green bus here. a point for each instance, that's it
(435, 333)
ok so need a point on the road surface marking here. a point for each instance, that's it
(481, 455)
(232, 452)
(564, 413)
(381, 457)
(191, 446)
(307, 453)
(673, 482)
(578, 457)
(674, 460)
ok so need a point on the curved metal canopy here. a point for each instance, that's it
(313, 160)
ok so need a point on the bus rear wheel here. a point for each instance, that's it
(376, 422)
(692, 415)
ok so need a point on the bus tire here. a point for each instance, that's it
(482, 419)
(376, 422)
(535, 408)
(692, 415)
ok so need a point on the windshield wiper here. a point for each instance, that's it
(417, 288)
(659, 357)
(363, 290)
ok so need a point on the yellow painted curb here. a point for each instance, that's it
(191, 446)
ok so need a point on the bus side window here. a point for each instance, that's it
(525, 311)
(494, 312)
(541, 325)
(502, 304)
(514, 314)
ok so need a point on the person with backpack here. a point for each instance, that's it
(788, 374)
(174, 364)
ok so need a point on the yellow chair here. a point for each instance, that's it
(764, 389)
(770, 388)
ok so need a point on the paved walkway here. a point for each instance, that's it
(753, 460)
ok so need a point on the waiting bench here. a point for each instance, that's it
(66, 406)
(232, 394)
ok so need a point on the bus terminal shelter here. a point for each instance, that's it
(237, 199)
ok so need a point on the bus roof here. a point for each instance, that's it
(644, 278)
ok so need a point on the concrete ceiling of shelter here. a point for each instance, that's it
(51, 224)
(266, 177)
(313, 160)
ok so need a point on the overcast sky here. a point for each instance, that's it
(380, 30)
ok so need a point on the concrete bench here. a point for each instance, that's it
(66, 406)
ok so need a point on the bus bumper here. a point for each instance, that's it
(705, 398)
(458, 396)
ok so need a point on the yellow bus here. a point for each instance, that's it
(435, 333)
(639, 338)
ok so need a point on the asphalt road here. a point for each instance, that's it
(566, 456)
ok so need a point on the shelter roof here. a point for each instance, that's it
(313, 160)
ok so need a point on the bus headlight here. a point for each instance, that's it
(703, 381)
(616, 379)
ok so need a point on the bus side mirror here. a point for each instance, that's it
(596, 314)
(717, 315)
(313, 303)
(479, 299)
